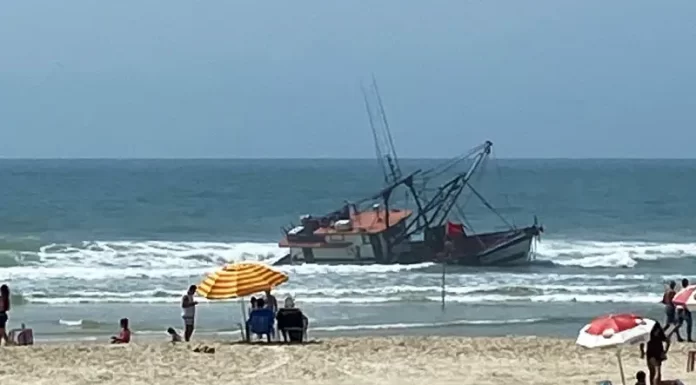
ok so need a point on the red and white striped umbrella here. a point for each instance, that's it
(615, 330)
(686, 296)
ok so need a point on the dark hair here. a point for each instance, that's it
(260, 302)
(640, 376)
(171, 331)
(5, 293)
(672, 285)
(685, 282)
(193, 288)
(657, 331)
(124, 323)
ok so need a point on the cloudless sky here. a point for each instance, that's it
(540, 78)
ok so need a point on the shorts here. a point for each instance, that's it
(655, 362)
(188, 321)
(3, 320)
(671, 314)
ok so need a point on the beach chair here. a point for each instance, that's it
(21, 336)
(292, 323)
(260, 323)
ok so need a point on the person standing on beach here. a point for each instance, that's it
(655, 350)
(670, 310)
(4, 309)
(188, 306)
(685, 314)
(271, 301)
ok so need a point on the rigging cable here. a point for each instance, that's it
(505, 194)
(488, 205)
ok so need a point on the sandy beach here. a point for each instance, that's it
(379, 360)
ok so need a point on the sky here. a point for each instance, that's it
(281, 79)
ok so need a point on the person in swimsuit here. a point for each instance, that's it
(655, 352)
(188, 313)
(670, 309)
(4, 309)
(684, 314)
(271, 301)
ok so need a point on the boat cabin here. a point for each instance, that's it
(347, 236)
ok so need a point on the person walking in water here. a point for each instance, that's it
(670, 309)
(4, 309)
(188, 306)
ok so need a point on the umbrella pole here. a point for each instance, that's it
(618, 356)
(243, 324)
(443, 289)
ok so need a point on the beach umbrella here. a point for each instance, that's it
(239, 280)
(615, 330)
(685, 296)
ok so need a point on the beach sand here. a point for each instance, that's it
(362, 360)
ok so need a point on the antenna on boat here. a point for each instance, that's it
(384, 144)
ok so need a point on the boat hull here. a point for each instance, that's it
(507, 248)
(515, 250)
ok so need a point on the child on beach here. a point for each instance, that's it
(640, 380)
(175, 336)
(124, 336)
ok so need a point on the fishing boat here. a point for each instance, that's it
(373, 231)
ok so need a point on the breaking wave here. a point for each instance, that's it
(156, 272)
(589, 254)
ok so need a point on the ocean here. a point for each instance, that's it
(86, 242)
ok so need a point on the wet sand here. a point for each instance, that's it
(362, 360)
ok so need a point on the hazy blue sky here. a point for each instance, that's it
(554, 78)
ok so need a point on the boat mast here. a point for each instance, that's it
(381, 133)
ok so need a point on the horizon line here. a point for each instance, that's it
(312, 158)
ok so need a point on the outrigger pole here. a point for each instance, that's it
(446, 197)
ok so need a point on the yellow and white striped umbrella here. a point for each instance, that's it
(239, 280)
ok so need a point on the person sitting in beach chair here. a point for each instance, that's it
(124, 336)
(260, 321)
(292, 323)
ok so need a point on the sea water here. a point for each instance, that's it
(86, 242)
